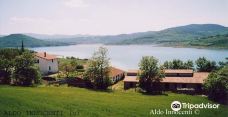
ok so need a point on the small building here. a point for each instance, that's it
(130, 82)
(131, 79)
(47, 63)
(116, 74)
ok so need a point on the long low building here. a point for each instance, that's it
(175, 79)
(184, 80)
(116, 74)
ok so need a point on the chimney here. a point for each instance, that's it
(45, 54)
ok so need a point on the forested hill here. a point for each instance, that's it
(180, 35)
(175, 36)
(15, 40)
(193, 35)
(217, 41)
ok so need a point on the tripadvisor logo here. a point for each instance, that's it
(175, 105)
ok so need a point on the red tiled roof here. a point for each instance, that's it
(178, 71)
(131, 79)
(133, 71)
(47, 57)
(115, 71)
(166, 71)
(198, 77)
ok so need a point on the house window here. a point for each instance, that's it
(52, 60)
(49, 67)
(175, 86)
(184, 86)
(37, 61)
(167, 86)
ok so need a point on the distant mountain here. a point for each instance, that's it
(88, 39)
(46, 36)
(14, 40)
(176, 36)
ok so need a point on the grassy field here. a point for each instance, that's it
(88, 103)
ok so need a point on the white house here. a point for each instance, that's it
(47, 63)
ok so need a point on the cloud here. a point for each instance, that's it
(84, 20)
(45, 25)
(29, 20)
(76, 3)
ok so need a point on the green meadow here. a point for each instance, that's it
(80, 102)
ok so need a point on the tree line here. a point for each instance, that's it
(202, 64)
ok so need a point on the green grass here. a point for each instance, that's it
(89, 103)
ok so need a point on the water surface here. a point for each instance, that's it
(128, 56)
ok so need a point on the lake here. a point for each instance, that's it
(128, 56)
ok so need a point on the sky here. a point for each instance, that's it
(106, 17)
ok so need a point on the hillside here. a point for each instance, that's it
(79, 102)
(176, 36)
(218, 41)
(15, 40)
(179, 35)
(186, 36)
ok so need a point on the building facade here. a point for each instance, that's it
(131, 79)
(116, 75)
(47, 63)
(180, 80)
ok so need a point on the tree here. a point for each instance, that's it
(216, 85)
(223, 63)
(22, 46)
(150, 75)
(98, 69)
(188, 65)
(168, 65)
(178, 64)
(204, 65)
(7, 56)
(25, 73)
(68, 66)
(5, 71)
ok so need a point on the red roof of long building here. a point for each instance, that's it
(178, 71)
(131, 79)
(115, 71)
(198, 78)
